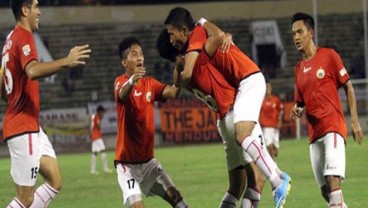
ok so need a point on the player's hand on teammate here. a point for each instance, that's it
(78, 55)
(227, 42)
(357, 132)
(296, 112)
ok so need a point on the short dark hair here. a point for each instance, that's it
(307, 19)
(179, 17)
(165, 48)
(126, 44)
(17, 5)
(100, 108)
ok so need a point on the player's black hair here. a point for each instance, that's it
(16, 6)
(100, 108)
(307, 19)
(164, 47)
(126, 44)
(180, 17)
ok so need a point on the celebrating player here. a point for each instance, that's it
(138, 170)
(317, 77)
(30, 149)
(244, 75)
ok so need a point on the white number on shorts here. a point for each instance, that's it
(206, 99)
(34, 172)
(131, 183)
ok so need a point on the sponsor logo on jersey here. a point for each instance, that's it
(26, 50)
(320, 73)
(306, 69)
(137, 94)
(343, 72)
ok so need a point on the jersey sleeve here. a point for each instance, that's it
(197, 39)
(157, 89)
(339, 72)
(27, 50)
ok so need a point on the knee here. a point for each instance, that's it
(57, 184)
(173, 195)
(26, 199)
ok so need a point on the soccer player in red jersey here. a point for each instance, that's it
(138, 170)
(317, 77)
(210, 87)
(30, 149)
(98, 145)
(272, 112)
(242, 73)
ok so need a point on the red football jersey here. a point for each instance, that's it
(270, 111)
(317, 81)
(96, 127)
(136, 126)
(22, 111)
(214, 90)
(233, 65)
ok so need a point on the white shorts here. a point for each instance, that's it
(98, 145)
(271, 136)
(25, 154)
(249, 98)
(137, 178)
(327, 156)
(235, 156)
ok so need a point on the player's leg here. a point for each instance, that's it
(235, 162)
(246, 112)
(94, 157)
(268, 138)
(130, 186)
(237, 181)
(104, 158)
(276, 142)
(50, 171)
(334, 170)
(25, 162)
(254, 188)
(159, 183)
(317, 152)
(93, 163)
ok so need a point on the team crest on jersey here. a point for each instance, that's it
(148, 96)
(26, 50)
(320, 73)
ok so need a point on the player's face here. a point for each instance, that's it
(135, 58)
(178, 37)
(302, 36)
(268, 89)
(33, 15)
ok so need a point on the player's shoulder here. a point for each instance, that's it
(327, 51)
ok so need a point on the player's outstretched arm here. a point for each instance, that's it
(355, 126)
(76, 57)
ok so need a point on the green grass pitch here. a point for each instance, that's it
(199, 172)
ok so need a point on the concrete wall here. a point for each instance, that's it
(214, 10)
